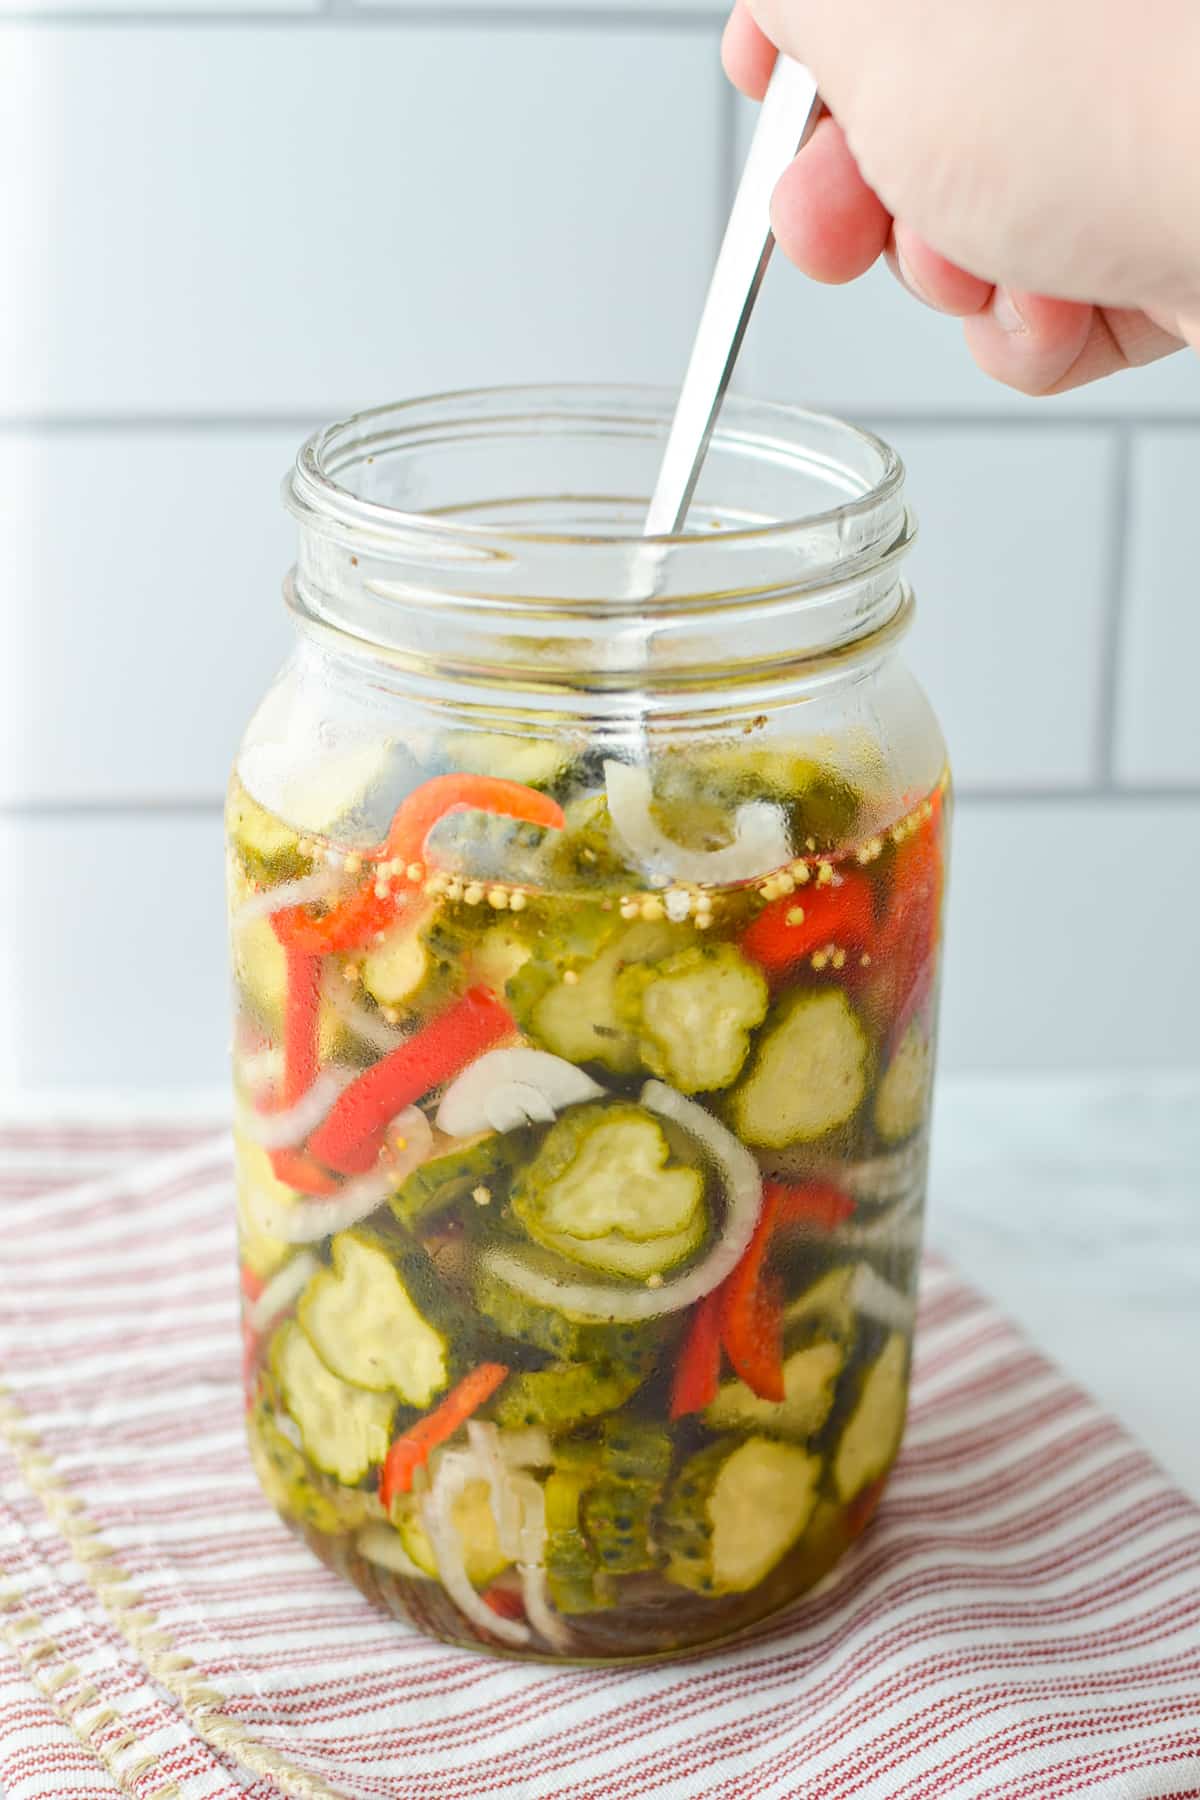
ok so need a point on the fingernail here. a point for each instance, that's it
(909, 279)
(1006, 313)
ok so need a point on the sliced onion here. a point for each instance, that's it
(261, 1070)
(455, 1471)
(282, 1130)
(901, 1224)
(358, 1018)
(531, 1564)
(890, 1177)
(506, 1089)
(307, 1221)
(381, 1545)
(761, 843)
(484, 1440)
(282, 1291)
(527, 1448)
(538, 1610)
(624, 1305)
(310, 890)
(408, 1142)
(877, 1299)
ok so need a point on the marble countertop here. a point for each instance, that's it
(1072, 1202)
(1075, 1204)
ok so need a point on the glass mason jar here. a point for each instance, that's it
(586, 904)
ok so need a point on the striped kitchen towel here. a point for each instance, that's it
(1022, 1622)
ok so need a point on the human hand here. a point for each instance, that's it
(999, 155)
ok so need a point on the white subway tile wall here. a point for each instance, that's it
(1158, 720)
(240, 217)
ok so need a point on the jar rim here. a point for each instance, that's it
(314, 495)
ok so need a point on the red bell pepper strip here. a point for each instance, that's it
(751, 1312)
(301, 1023)
(298, 1170)
(698, 1372)
(357, 920)
(435, 800)
(864, 1506)
(817, 1203)
(909, 939)
(251, 1380)
(793, 927)
(351, 925)
(252, 1284)
(412, 1449)
(350, 1137)
(506, 1603)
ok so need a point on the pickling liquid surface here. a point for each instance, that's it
(581, 1158)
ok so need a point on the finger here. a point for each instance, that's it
(930, 278)
(748, 56)
(1045, 347)
(825, 217)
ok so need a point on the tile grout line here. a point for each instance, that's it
(64, 424)
(1116, 600)
(168, 808)
(341, 13)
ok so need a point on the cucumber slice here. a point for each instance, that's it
(573, 1581)
(362, 1320)
(617, 1255)
(623, 1475)
(586, 854)
(475, 1524)
(499, 957)
(267, 848)
(345, 1430)
(400, 971)
(567, 1339)
(735, 1511)
(694, 1014)
(295, 1489)
(383, 1546)
(534, 762)
(809, 1074)
(461, 1167)
(564, 1395)
(604, 1170)
(810, 1379)
(618, 1511)
(580, 1019)
(692, 790)
(257, 1181)
(827, 1305)
(872, 1436)
(902, 1100)
(619, 1519)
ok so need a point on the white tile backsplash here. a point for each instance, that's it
(1012, 575)
(1065, 943)
(304, 218)
(143, 573)
(112, 957)
(226, 226)
(1158, 696)
(870, 348)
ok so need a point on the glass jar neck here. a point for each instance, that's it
(492, 539)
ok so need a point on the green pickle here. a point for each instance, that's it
(502, 1099)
